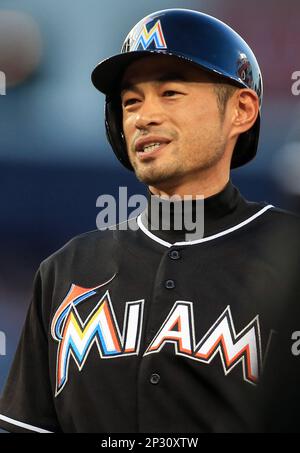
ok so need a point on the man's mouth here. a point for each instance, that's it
(149, 146)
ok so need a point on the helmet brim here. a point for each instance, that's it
(107, 74)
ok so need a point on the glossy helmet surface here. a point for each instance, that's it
(192, 36)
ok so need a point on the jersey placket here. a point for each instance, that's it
(151, 377)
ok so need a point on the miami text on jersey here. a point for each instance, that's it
(75, 337)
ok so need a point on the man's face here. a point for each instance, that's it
(171, 121)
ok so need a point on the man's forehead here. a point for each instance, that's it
(162, 76)
(160, 68)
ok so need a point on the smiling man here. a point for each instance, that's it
(180, 134)
(138, 329)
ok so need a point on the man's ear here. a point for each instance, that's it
(245, 111)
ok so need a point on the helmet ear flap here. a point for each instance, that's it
(114, 129)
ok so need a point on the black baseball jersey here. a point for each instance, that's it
(135, 330)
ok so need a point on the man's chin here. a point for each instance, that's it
(156, 178)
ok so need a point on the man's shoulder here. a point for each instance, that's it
(281, 230)
(89, 246)
(284, 214)
(279, 217)
(76, 248)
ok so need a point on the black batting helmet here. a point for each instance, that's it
(192, 36)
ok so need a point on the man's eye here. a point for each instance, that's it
(129, 101)
(169, 93)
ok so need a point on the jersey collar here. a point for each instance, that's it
(222, 213)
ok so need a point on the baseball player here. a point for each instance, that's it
(138, 329)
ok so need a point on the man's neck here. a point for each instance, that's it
(205, 186)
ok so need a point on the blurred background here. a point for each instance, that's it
(54, 158)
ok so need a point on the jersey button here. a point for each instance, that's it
(170, 284)
(174, 255)
(155, 378)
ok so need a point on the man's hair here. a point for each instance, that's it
(223, 91)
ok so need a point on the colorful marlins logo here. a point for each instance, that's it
(76, 337)
(145, 36)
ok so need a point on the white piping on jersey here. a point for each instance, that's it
(208, 238)
(23, 425)
(117, 224)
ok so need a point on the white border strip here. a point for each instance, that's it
(23, 425)
(208, 238)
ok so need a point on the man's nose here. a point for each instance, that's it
(149, 114)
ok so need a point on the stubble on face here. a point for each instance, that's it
(161, 175)
(181, 164)
(156, 171)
